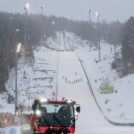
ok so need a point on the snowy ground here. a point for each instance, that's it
(118, 107)
(72, 83)
(34, 81)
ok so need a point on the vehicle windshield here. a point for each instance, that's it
(57, 115)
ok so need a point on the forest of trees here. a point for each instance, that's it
(12, 31)
(128, 47)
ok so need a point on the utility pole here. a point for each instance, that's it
(42, 8)
(25, 30)
(89, 28)
(89, 15)
(98, 16)
(16, 59)
(16, 62)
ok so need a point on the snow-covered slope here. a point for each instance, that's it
(73, 84)
(41, 78)
(69, 40)
(34, 81)
(118, 106)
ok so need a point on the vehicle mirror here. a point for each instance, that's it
(78, 109)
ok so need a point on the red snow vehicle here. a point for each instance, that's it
(54, 117)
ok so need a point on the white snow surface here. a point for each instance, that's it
(34, 81)
(119, 107)
(90, 119)
(72, 83)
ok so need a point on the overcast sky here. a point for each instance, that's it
(75, 9)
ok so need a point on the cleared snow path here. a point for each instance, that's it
(72, 84)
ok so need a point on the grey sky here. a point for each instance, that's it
(76, 9)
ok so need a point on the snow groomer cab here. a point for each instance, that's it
(54, 117)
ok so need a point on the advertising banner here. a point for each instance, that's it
(25, 129)
(12, 130)
(2, 131)
(107, 90)
(16, 130)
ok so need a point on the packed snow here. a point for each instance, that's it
(34, 80)
(73, 84)
(116, 106)
(60, 73)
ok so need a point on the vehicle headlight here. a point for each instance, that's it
(69, 101)
(38, 112)
(76, 113)
(43, 100)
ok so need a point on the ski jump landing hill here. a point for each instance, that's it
(73, 83)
